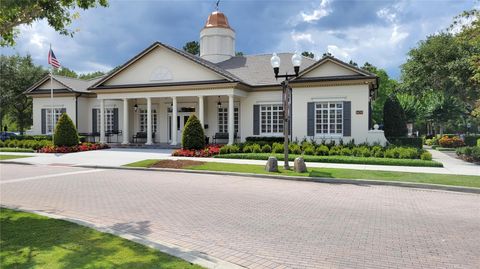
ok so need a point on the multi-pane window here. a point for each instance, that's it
(57, 112)
(329, 118)
(223, 119)
(109, 119)
(271, 121)
(143, 120)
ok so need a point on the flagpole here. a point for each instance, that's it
(51, 98)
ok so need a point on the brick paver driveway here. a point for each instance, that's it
(261, 223)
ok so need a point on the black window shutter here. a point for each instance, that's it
(347, 118)
(115, 119)
(256, 119)
(63, 110)
(310, 119)
(94, 120)
(44, 121)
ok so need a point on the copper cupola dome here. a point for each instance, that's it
(217, 19)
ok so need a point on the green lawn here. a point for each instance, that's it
(33, 241)
(442, 179)
(334, 159)
(9, 157)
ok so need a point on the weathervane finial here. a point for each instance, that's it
(216, 5)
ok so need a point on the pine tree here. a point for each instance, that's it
(65, 132)
(394, 120)
(193, 136)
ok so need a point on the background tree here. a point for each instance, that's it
(57, 13)
(386, 87)
(192, 47)
(394, 121)
(17, 75)
(308, 54)
(66, 72)
(91, 75)
(238, 53)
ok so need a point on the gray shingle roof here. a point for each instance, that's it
(75, 84)
(256, 70)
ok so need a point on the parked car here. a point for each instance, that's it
(7, 135)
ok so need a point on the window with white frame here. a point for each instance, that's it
(271, 119)
(143, 120)
(223, 119)
(56, 114)
(329, 118)
(109, 119)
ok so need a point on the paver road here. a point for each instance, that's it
(262, 223)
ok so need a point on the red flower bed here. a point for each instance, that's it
(80, 147)
(208, 151)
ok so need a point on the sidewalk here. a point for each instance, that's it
(118, 157)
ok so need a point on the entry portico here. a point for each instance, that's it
(177, 105)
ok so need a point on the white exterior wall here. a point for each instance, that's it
(255, 98)
(58, 102)
(357, 94)
(328, 69)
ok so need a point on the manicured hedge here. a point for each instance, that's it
(29, 144)
(16, 150)
(66, 134)
(31, 137)
(264, 139)
(416, 142)
(334, 159)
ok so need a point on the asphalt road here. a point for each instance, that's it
(261, 223)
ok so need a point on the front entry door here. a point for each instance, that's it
(182, 118)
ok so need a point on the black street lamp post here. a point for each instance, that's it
(286, 97)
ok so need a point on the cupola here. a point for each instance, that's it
(217, 39)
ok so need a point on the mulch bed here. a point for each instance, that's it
(177, 164)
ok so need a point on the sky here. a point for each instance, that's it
(378, 32)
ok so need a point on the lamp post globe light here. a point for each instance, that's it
(286, 96)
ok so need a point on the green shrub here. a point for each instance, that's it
(65, 132)
(335, 150)
(470, 154)
(266, 149)
(294, 149)
(256, 148)
(224, 150)
(306, 144)
(378, 154)
(416, 142)
(471, 140)
(346, 152)
(365, 152)
(277, 148)
(427, 156)
(193, 136)
(248, 149)
(310, 150)
(264, 139)
(478, 143)
(407, 153)
(15, 150)
(322, 150)
(229, 149)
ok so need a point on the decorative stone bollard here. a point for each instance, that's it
(272, 165)
(299, 165)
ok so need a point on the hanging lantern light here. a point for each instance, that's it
(219, 104)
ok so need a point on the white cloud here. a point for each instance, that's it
(342, 53)
(297, 37)
(397, 36)
(387, 14)
(322, 11)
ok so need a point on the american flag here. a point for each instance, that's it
(52, 59)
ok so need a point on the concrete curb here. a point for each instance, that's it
(14, 162)
(191, 256)
(304, 179)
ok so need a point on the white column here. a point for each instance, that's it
(174, 121)
(149, 121)
(102, 121)
(125, 122)
(201, 112)
(231, 126)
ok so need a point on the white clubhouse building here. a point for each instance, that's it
(149, 98)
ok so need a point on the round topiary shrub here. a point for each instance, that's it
(193, 136)
(65, 132)
(266, 149)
